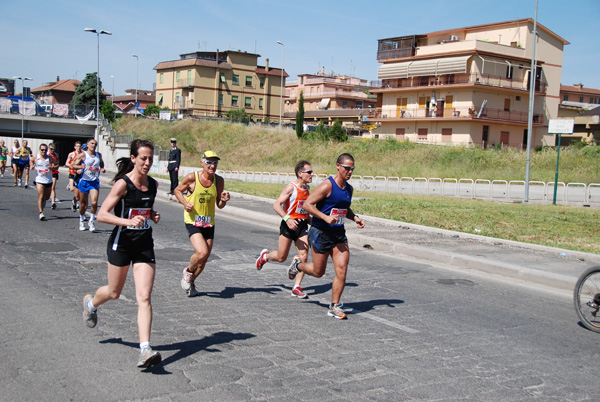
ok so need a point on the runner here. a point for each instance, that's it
(329, 206)
(89, 185)
(203, 190)
(54, 156)
(14, 162)
(3, 156)
(43, 164)
(294, 223)
(130, 243)
(24, 155)
(74, 176)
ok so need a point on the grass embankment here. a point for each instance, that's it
(260, 149)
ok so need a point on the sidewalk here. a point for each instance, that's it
(511, 260)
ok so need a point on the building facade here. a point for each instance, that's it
(468, 85)
(60, 91)
(583, 106)
(125, 104)
(330, 97)
(213, 83)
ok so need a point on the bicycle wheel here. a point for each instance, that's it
(587, 298)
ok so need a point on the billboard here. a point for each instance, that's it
(7, 86)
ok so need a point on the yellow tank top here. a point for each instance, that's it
(204, 199)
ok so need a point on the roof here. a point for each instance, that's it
(272, 71)
(62, 85)
(492, 25)
(131, 98)
(163, 65)
(593, 112)
(572, 88)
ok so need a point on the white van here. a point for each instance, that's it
(47, 109)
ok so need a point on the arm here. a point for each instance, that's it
(177, 159)
(184, 186)
(351, 215)
(115, 195)
(101, 163)
(285, 195)
(323, 191)
(154, 215)
(32, 162)
(78, 162)
(222, 196)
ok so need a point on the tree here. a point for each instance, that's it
(238, 115)
(153, 110)
(108, 110)
(321, 131)
(300, 117)
(337, 132)
(85, 93)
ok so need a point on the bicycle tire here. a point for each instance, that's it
(586, 298)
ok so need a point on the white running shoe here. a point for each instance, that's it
(42, 216)
(53, 206)
(26, 185)
(262, 259)
(92, 226)
(186, 281)
(81, 226)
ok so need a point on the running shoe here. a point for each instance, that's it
(148, 358)
(42, 216)
(53, 205)
(192, 292)
(90, 319)
(19, 181)
(81, 225)
(26, 185)
(297, 292)
(15, 184)
(262, 259)
(293, 269)
(335, 311)
(92, 226)
(186, 280)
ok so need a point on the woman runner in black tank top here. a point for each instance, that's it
(130, 243)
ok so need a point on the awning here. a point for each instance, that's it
(160, 97)
(324, 103)
(417, 68)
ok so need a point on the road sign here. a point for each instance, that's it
(561, 126)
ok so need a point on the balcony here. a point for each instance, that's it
(495, 81)
(473, 113)
(339, 94)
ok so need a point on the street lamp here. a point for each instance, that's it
(281, 100)
(137, 63)
(98, 33)
(23, 79)
(112, 95)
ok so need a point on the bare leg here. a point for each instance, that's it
(202, 249)
(143, 275)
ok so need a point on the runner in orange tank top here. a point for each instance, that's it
(294, 223)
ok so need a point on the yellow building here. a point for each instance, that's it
(213, 83)
(468, 85)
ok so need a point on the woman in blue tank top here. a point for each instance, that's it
(329, 206)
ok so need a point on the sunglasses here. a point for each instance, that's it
(350, 168)
(306, 171)
(211, 162)
(43, 149)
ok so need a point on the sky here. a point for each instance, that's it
(46, 39)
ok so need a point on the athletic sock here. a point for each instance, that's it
(91, 307)
(144, 345)
(92, 217)
(81, 218)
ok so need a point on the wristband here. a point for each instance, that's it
(286, 217)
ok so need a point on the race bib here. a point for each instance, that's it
(341, 213)
(42, 171)
(202, 221)
(94, 169)
(300, 208)
(145, 212)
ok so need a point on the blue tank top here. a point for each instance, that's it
(337, 203)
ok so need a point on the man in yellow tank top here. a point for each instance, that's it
(199, 192)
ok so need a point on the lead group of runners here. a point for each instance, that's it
(130, 208)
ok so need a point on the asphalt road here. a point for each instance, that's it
(415, 331)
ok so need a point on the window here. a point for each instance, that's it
(248, 102)
(178, 75)
(565, 97)
(581, 99)
(344, 105)
(234, 100)
(518, 98)
(223, 77)
(509, 71)
(160, 99)
(262, 82)
(484, 135)
(422, 134)
(507, 105)
(446, 135)
(189, 77)
(220, 99)
(422, 102)
(400, 134)
(260, 103)
(176, 96)
(249, 81)
(449, 101)
(236, 79)
(162, 78)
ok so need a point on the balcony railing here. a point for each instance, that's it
(512, 116)
(459, 79)
(333, 94)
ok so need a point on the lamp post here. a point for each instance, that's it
(23, 79)
(112, 95)
(281, 100)
(98, 33)
(137, 60)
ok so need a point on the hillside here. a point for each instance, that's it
(257, 148)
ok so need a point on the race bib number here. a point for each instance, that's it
(145, 212)
(300, 208)
(341, 213)
(202, 221)
(42, 171)
(94, 169)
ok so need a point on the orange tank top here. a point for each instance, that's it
(294, 205)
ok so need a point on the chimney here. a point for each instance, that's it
(578, 86)
(57, 78)
(267, 65)
(323, 72)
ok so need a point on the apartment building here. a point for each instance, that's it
(213, 83)
(468, 85)
(328, 97)
(583, 106)
(59, 91)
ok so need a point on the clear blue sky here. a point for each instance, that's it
(45, 39)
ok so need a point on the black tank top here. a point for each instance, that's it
(135, 202)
